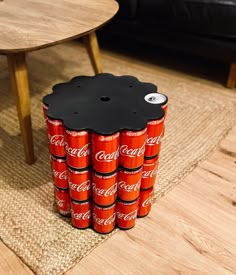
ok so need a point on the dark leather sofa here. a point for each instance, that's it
(202, 27)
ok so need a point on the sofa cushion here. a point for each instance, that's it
(215, 17)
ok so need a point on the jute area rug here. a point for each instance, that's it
(200, 114)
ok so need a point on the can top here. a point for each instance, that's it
(156, 98)
(104, 104)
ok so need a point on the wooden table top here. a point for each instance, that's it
(29, 25)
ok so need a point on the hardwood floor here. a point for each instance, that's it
(192, 230)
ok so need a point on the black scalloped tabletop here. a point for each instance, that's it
(103, 103)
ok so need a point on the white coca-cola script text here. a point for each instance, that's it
(127, 216)
(82, 187)
(105, 192)
(129, 187)
(102, 156)
(107, 221)
(78, 152)
(132, 152)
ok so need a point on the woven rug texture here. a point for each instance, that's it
(200, 114)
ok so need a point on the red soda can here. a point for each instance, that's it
(79, 184)
(149, 172)
(126, 214)
(77, 145)
(105, 152)
(59, 172)
(104, 218)
(104, 188)
(157, 98)
(132, 147)
(129, 184)
(56, 137)
(145, 202)
(45, 108)
(62, 201)
(155, 130)
(163, 132)
(81, 215)
(164, 102)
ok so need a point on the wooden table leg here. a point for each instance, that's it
(20, 86)
(91, 43)
(232, 76)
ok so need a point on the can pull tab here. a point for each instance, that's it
(155, 98)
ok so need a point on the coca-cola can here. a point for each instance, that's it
(62, 201)
(77, 144)
(149, 172)
(154, 135)
(45, 108)
(132, 147)
(157, 98)
(104, 188)
(105, 152)
(59, 172)
(145, 202)
(79, 184)
(129, 184)
(126, 214)
(81, 214)
(163, 132)
(55, 130)
(104, 218)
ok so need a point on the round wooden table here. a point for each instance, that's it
(31, 25)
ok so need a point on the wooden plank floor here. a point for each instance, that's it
(192, 230)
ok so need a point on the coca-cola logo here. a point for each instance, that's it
(82, 187)
(147, 202)
(150, 174)
(129, 187)
(105, 192)
(107, 221)
(127, 217)
(60, 175)
(153, 140)
(78, 152)
(132, 152)
(57, 140)
(81, 216)
(59, 202)
(102, 156)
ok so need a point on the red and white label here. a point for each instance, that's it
(108, 138)
(60, 175)
(150, 174)
(76, 133)
(81, 216)
(127, 217)
(147, 202)
(132, 152)
(135, 134)
(153, 140)
(155, 122)
(82, 187)
(107, 221)
(78, 152)
(54, 122)
(60, 202)
(105, 192)
(57, 140)
(129, 187)
(101, 156)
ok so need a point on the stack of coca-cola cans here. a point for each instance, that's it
(104, 136)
